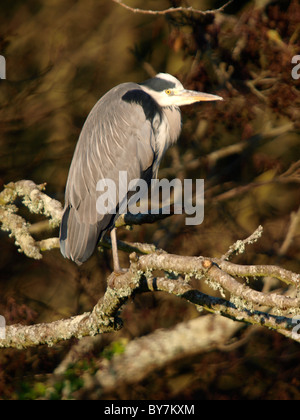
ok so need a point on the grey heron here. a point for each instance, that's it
(129, 129)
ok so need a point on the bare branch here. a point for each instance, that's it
(216, 155)
(173, 9)
(226, 308)
(295, 222)
(48, 244)
(40, 203)
(19, 228)
(198, 266)
(153, 351)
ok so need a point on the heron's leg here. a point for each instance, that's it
(114, 247)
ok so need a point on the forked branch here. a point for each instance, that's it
(150, 272)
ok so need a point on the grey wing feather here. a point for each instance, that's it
(118, 135)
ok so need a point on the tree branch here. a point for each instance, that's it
(104, 318)
(239, 246)
(173, 9)
(239, 301)
(37, 202)
(153, 351)
(40, 203)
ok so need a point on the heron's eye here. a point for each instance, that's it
(168, 92)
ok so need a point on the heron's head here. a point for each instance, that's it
(168, 91)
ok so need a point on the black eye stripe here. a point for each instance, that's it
(159, 85)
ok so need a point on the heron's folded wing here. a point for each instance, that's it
(118, 136)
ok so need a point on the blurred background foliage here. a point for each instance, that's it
(62, 56)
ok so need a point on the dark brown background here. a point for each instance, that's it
(62, 56)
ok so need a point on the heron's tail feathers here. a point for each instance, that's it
(78, 240)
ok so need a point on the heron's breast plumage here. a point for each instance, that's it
(167, 132)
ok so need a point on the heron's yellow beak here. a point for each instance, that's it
(187, 97)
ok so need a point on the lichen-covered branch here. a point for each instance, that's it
(236, 309)
(104, 317)
(37, 202)
(239, 246)
(143, 355)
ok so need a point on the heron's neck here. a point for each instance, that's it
(173, 116)
(167, 134)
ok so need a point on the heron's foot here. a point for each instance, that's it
(120, 271)
(115, 279)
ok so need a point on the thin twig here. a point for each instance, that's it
(219, 274)
(197, 266)
(37, 202)
(130, 247)
(173, 9)
(104, 318)
(239, 246)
